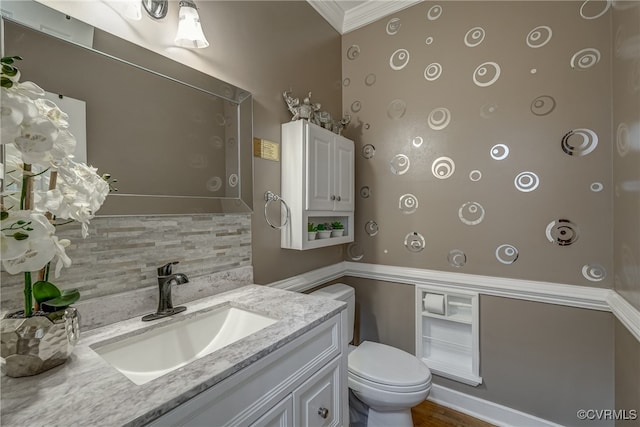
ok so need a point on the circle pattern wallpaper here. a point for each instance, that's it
(488, 139)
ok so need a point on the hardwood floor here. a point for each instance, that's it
(429, 414)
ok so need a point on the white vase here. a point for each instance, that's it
(337, 233)
(311, 235)
(324, 234)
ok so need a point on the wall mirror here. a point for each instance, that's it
(178, 141)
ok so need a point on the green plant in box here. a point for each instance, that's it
(337, 225)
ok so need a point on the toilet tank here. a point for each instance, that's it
(341, 292)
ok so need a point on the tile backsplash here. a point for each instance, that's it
(121, 254)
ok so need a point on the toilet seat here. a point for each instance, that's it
(387, 368)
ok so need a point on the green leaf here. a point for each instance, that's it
(9, 70)
(4, 215)
(5, 82)
(67, 297)
(45, 291)
(18, 235)
(10, 59)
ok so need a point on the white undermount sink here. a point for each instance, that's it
(160, 350)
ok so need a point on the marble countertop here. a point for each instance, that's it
(86, 390)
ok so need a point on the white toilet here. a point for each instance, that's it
(388, 380)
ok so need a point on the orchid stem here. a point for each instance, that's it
(28, 294)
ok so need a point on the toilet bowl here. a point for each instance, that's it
(388, 380)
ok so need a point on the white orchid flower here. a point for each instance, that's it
(13, 167)
(16, 109)
(36, 140)
(28, 89)
(79, 193)
(52, 112)
(63, 146)
(12, 247)
(63, 259)
(10, 121)
(41, 247)
(35, 132)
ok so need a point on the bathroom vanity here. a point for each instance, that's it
(290, 372)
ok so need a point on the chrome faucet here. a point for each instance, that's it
(165, 279)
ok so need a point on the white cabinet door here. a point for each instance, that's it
(343, 174)
(320, 190)
(317, 401)
(280, 415)
(330, 172)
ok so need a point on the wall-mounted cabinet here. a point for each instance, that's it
(447, 333)
(317, 184)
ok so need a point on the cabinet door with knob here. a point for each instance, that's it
(317, 401)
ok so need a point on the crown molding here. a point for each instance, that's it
(330, 11)
(359, 16)
(371, 11)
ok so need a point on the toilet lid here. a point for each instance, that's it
(387, 365)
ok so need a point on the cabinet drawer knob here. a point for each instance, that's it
(323, 412)
(338, 198)
(333, 197)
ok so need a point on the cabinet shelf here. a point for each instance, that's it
(460, 318)
(447, 333)
(461, 348)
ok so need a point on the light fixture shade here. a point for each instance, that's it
(189, 29)
(132, 9)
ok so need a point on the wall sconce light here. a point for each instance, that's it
(157, 9)
(189, 29)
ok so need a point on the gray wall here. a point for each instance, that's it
(542, 359)
(627, 374)
(626, 201)
(626, 150)
(409, 84)
(263, 47)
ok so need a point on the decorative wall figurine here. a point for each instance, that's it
(311, 112)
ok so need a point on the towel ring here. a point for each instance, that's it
(270, 196)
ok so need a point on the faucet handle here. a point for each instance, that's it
(166, 269)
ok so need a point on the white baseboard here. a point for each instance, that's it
(481, 409)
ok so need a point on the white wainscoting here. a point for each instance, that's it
(529, 290)
(545, 292)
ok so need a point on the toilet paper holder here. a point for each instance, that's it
(435, 303)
